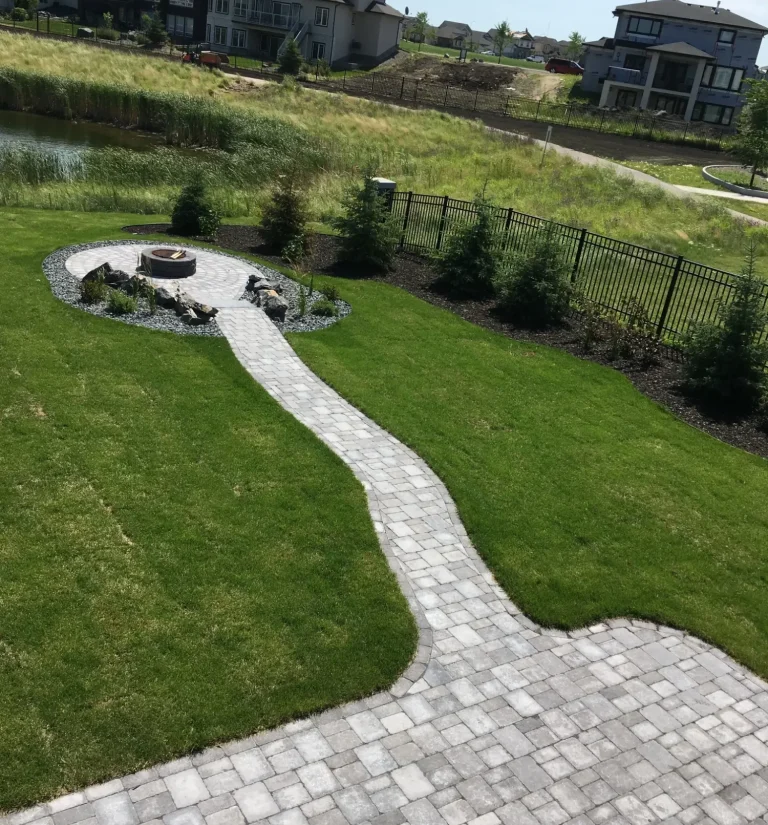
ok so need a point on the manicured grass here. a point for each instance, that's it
(586, 499)
(182, 561)
(424, 151)
(56, 26)
(407, 46)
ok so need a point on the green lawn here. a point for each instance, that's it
(407, 46)
(586, 499)
(182, 561)
(56, 26)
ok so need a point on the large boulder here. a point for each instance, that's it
(274, 305)
(100, 273)
(259, 282)
(204, 311)
(164, 298)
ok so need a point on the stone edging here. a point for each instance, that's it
(733, 187)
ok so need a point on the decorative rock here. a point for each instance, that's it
(190, 317)
(164, 298)
(257, 282)
(274, 305)
(98, 274)
(183, 302)
(204, 311)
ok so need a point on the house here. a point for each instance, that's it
(546, 46)
(667, 55)
(185, 20)
(452, 35)
(364, 32)
(520, 45)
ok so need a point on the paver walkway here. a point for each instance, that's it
(497, 720)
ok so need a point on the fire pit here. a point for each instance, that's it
(166, 262)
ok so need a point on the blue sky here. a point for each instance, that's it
(558, 18)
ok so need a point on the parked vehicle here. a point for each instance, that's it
(535, 58)
(559, 65)
(203, 56)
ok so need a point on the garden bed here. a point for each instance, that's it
(413, 273)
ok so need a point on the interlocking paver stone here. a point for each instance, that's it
(497, 720)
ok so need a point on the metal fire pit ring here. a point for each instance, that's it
(158, 262)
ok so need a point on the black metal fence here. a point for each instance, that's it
(675, 292)
(629, 123)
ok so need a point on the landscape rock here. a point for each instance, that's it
(100, 273)
(165, 298)
(257, 283)
(190, 318)
(274, 305)
(204, 311)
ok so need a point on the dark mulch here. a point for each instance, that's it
(413, 273)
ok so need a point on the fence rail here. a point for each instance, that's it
(675, 292)
(631, 123)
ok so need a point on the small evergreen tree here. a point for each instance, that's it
(193, 213)
(368, 229)
(291, 60)
(534, 288)
(285, 217)
(726, 361)
(469, 262)
(751, 143)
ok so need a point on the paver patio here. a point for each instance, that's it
(497, 720)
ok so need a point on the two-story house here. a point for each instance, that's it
(363, 32)
(682, 58)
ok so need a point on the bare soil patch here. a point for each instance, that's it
(476, 76)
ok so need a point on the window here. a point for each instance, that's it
(634, 61)
(718, 115)
(210, 5)
(318, 51)
(240, 8)
(208, 32)
(182, 26)
(321, 16)
(726, 37)
(644, 25)
(238, 38)
(222, 6)
(220, 35)
(722, 77)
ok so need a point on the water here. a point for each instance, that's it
(67, 137)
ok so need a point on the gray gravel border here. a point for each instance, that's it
(66, 287)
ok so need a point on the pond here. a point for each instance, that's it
(66, 136)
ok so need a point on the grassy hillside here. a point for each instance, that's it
(425, 151)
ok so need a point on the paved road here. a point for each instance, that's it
(497, 720)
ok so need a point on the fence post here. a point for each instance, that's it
(637, 122)
(579, 252)
(670, 293)
(507, 226)
(402, 88)
(538, 109)
(344, 80)
(445, 99)
(602, 121)
(373, 81)
(405, 218)
(685, 133)
(442, 223)
(650, 133)
(568, 109)
(477, 93)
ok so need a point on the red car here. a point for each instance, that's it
(559, 65)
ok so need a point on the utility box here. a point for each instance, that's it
(386, 186)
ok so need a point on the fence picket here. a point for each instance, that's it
(675, 292)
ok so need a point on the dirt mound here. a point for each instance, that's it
(476, 76)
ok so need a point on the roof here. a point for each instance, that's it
(679, 10)
(602, 43)
(377, 7)
(684, 49)
(450, 24)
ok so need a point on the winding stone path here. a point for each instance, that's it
(496, 721)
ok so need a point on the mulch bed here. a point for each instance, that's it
(413, 273)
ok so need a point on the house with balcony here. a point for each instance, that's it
(341, 32)
(667, 55)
